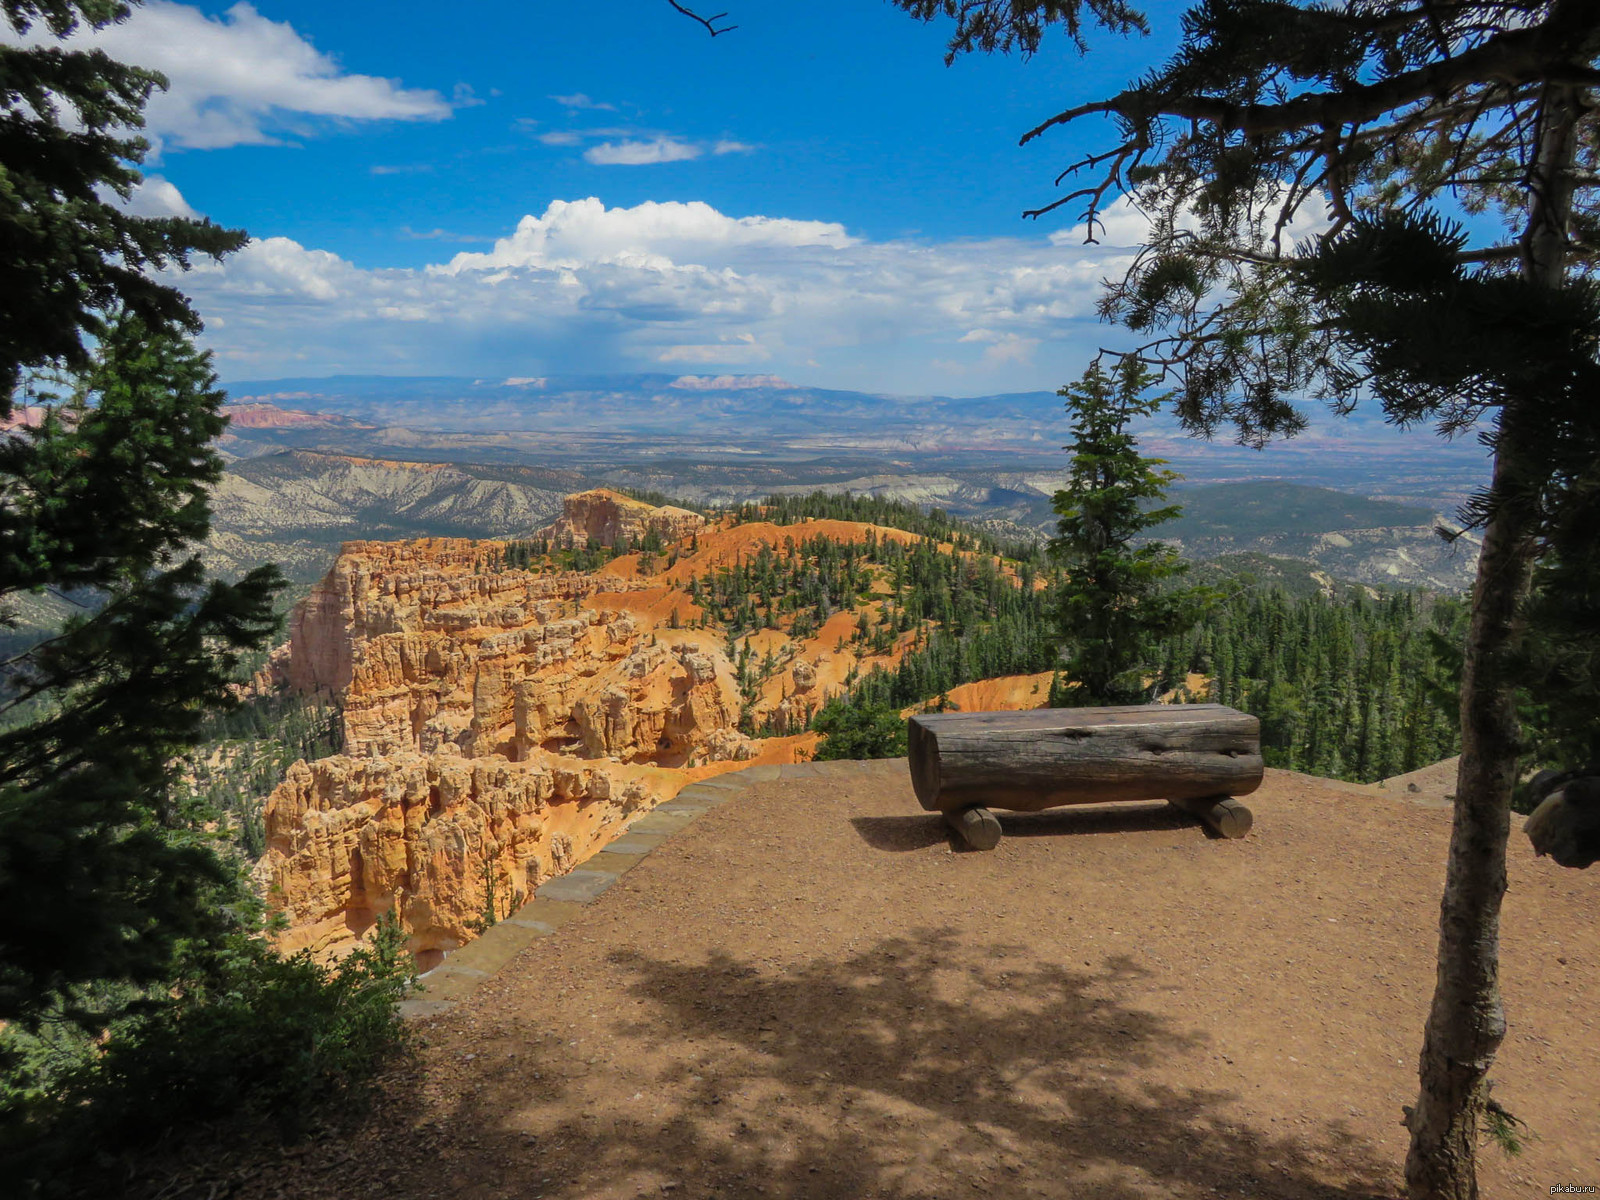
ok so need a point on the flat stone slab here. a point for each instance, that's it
(416, 1010)
(497, 946)
(440, 984)
(548, 913)
(704, 795)
(579, 886)
(540, 928)
(732, 782)
(611, 861)
(765, 773)
(634, 842)
(660, 821)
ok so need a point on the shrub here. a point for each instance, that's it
(256, 1038)
(859, 731)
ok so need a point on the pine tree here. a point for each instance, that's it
(101, 862)
(1117, 598)
(101, 859)
(72, 256)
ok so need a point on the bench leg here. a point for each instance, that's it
(1223, 813)
(978, 827)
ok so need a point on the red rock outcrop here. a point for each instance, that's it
(498, 726)
(439, 839)
(611, 518)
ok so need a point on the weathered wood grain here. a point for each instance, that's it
(978, 827)
(1223, 813)
(1028, 761)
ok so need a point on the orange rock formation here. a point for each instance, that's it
(611, 518)
(497, 725)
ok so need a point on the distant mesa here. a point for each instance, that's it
(261, 415)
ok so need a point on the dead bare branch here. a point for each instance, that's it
(710, 23)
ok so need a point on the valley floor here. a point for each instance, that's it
(811, 992)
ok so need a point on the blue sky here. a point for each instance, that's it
(850, 114)
(511, 189)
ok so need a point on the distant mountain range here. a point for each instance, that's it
(721, 436)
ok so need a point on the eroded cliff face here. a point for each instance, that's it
(434, 652)
(440, 839)
(499, 726)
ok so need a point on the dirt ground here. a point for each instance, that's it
(813, 992)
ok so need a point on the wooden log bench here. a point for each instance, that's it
(1198, 757)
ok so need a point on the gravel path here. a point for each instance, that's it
(812, 992)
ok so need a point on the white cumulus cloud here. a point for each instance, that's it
(157, 197)
(740, 350)
(1122, 223)
(584, 287)
(580, 101)
(1001, 348)
(241, 78)
(281, 270)
(639, 154)
(585, 233)
(626, 145)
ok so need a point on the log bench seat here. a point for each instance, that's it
(1198, 757)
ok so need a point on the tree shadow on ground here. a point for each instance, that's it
(911, 1069)
(902, 1071)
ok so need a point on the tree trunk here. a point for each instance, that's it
(1466, 1022)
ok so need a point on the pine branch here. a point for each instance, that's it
(1555, 52)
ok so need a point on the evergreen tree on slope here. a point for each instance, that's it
(69, 254)
(1117, 600)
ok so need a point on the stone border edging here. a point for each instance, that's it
(559, 900)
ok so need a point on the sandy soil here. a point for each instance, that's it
(812, 992)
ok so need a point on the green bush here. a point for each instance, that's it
(859, 731)
(255, 1038)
